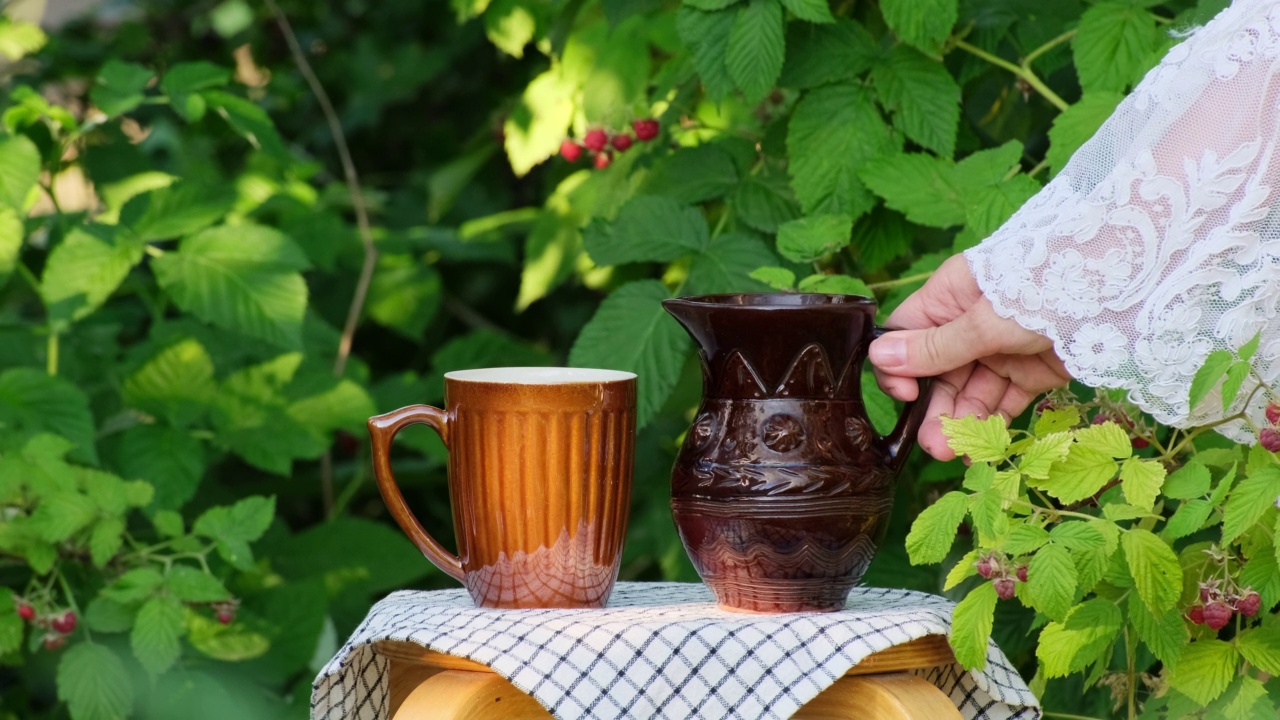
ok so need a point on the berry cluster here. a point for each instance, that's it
(57, 623)
(996, 568)
(603, 144)
(1217, 604)
(1269, 437)
(1121, 418)
(225, 611)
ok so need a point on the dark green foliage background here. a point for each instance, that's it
(848, 147)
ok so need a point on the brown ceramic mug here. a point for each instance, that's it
(540, 463)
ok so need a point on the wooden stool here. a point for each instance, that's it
(428, 685)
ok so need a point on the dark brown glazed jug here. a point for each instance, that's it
(782, 489)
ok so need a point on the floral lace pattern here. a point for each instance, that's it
(1159, 242)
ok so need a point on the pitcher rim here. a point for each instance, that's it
(800, 301)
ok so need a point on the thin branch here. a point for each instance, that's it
(362, 222)
(1023, 72)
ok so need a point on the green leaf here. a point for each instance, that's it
(918, 185)
(923, 97)
(971, 623)
(1043, 453)
(630, 331)
(246, 520)
(11, 624)
(764, 202)
(924, 24)
(881, 237)
(230, 643)
(1248, 501)
(1214, 368)
(176, 210)
(94, 683)
(775, 277)
(707, 35)
(989, 207)
(833, 131)
(1190, 516)
(815, 11)
(242, 278)
(1113, 46)
(120, 87)
(1087, 632)
(105, 540)
(821, 54)
(134, 586)
(155, 635)
(1085, 471)
(176, 384)
(1189, 481)
(981, 440)
(63, 514)
(33, 401)
(169, 458)
(108, 616)
(1077, 535)
(1247, 350)
(989, 519)
(835, 285)
(1141, 481)
(1237, 373)
(249, 120)
(252, 416)
(12, 236)
(1157, 575)
(1051, 581)
(404, 295)
(1024, 539)
(1166, 634)
(194, 586)
(183, 81)
(710, 5)
(692, 175)
(19, 172)
(1057, 420)
(814, 237)
(1205, 670)
(726, 265)
(83, 271)
(757, 45)
(1260, 646)
(1262, 573)
(169, 524)
(1246, 699)
(1109, 438)
(1073, 126)
(934, 530)
(648, 229)
(19, 39)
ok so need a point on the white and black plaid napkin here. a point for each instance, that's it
(661, 650)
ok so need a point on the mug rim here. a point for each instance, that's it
(536, 376)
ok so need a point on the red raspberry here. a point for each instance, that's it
(1139, 443)
(1208, 592)
(602, 160)
(595, 139)
(1005, 588)
(646, 130)
(1270, 439)
(1022, 573)
(1044, 406)
(1273, 413)
(570, 150)
(226, 616)
(26, 612)
(1217, 615)
(984, 567)
(1249, 605)
(1101, 418)
(621, 142)
(1196, 614)
(65, 624)
(53, 642)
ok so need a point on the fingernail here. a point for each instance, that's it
(889, 352)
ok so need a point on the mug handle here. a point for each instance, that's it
(382, 430)
(912, 413)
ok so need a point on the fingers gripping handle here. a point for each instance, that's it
(898, 442)
(382, 430)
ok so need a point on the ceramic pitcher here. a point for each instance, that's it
(782, 489)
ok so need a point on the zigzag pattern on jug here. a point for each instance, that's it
(809, 375)
(803, 506)
(759, 560)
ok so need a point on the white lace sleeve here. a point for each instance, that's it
(1159, 241)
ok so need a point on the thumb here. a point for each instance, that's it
(933, 351)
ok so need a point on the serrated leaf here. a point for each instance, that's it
(1141, 481)
(19, 171)
(1260, 646)
(987, 208)
(176, 210)
(1076, 535)
(230, 643)
(1083, 473)
(1247, 350)
(1024, 539)
(647, 229)
(924, 24)
(242, 278)
(105, 540)
(1069, 646)
(1043, 453)
(1252, 497)
(918, 185)
(764, 202)
(757, 45)
(820, 54)
(134, 586)
(1075, 125)
(978, 477)
(725, 266)
(934, 530)
(12, 236)
(155, 634)
(183, 80)
(710, 5)
(250, 121)
(168, 523)
(834, 285)
(11, 624)
(1189, 481)
(1205, 670)
(692, 175)
(120, 87)
(833, 131)
(630, 331)
(194, 586)
(881, 237)
(971, 623)
(1109, 437)
(963, 569)
(1262, 573)
(775, 277)
(62, 514)
(707, 35)
(1113, 45)
(1214, 368)
(83, 271)
(404, 295)
(19, 39)
(246, 520)
(814, 237)
(108, 616)
(1190, 516)
(1237, 373)
(1246, 699)
(1056, 420)
(169, 458)
(94, 683)
(176, 384)
(1157, 575)
(1117, 511)
(1165, 635)
(923, 97)
(1051, 581)
(815, 11)
(981, 440)
(989, 519)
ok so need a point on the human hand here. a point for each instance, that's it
(983, 363)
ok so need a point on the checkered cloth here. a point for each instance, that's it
(661, 650)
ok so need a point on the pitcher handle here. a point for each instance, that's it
(912, 414)
(382, 430)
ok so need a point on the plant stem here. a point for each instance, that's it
(1034, 54)
(1023, 72)
(51, 361)
(887, 284)
(1133, 674)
